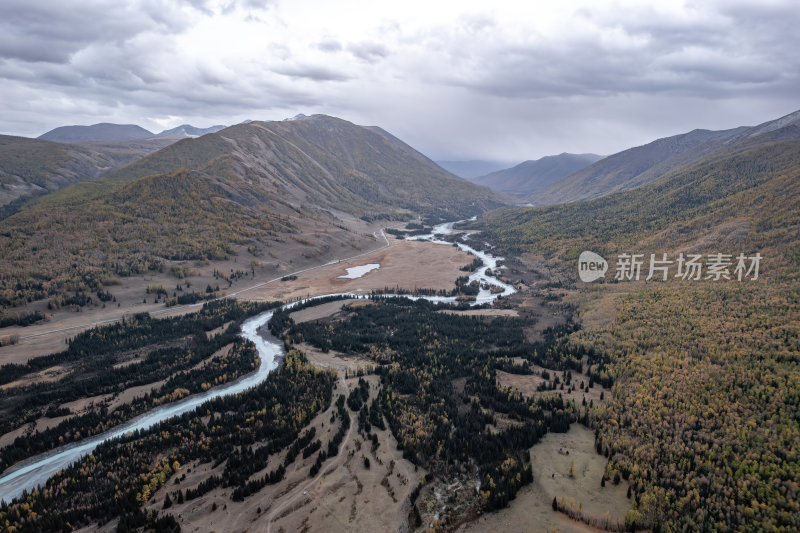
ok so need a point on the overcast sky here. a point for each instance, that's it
(456, 80)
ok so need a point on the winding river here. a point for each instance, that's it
(30, 473)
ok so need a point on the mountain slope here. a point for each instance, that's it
(282, 187)
(528, 177)
(31, 166)
(324, 161)
(704, 372)
(97, 132)
(758, 184)
(633, 167)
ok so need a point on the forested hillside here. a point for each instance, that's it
(703, 416)
(122, 475)
(30, 167)
(746, 199)
(257, 186)
(439, 393)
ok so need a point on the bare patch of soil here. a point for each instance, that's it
(528, 384)
(551, 460)
(48, 375)
(406, 265)
(334, 359)
(482, 312)
(319, 311)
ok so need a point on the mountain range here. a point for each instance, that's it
(107, 132)
(69, 154)
(324, 161)
(295, 189)
(97, 132)
(743, 197)
(576, 177)
(252, 185)
(697, 407)
(643, 164)
(187, 130)
(525, 179)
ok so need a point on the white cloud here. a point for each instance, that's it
(455, 79)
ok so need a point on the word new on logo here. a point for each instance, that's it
(591, 266)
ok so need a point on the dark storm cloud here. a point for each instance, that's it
(46, 74)
(740, 48)
(53, 31)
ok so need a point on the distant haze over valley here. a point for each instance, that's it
(525, 179)
(473, 169)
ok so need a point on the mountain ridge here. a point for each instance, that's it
(110, 132)
(284, 187)
(525, 179)
(643, 164)
(103, 131)
(187, 130)
(683, 209)
(350, 156)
